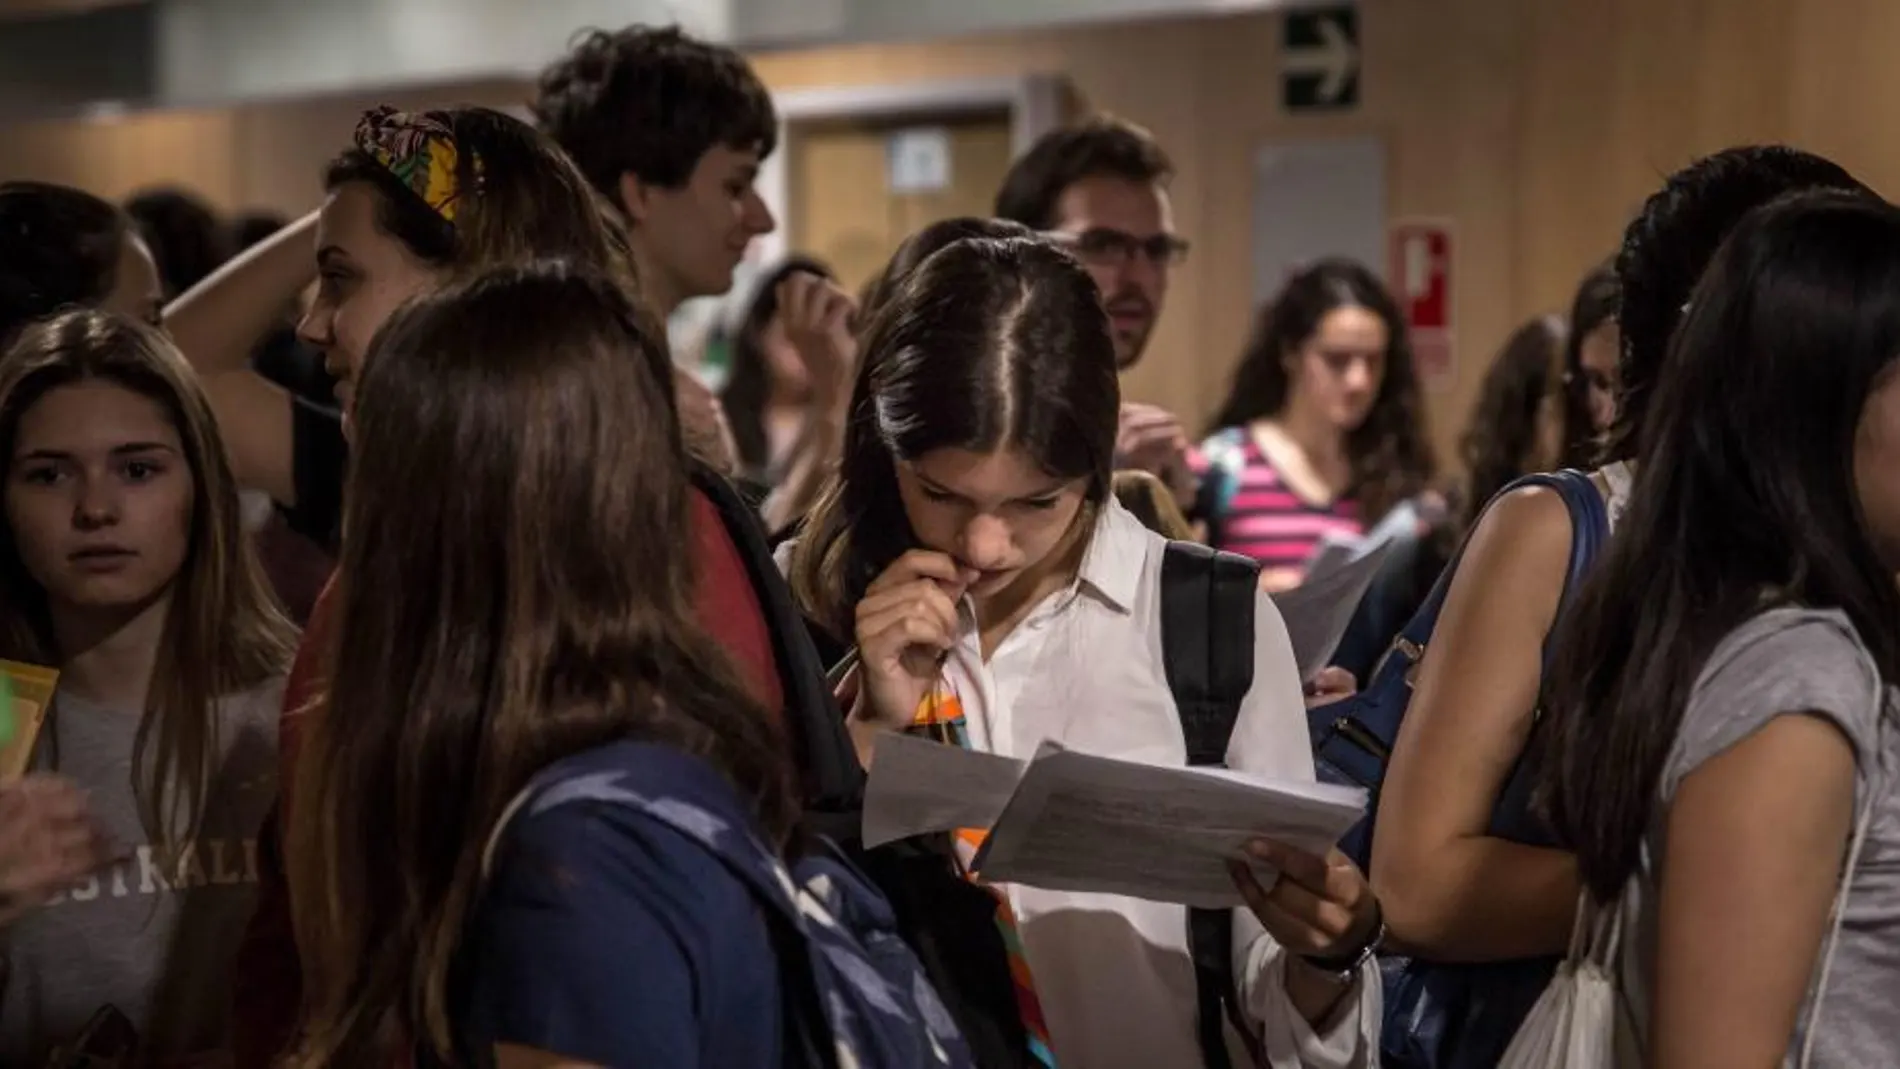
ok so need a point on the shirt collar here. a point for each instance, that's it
(1118, 548)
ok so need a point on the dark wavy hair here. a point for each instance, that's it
(1503, 423)
(920, 247)
(1104, 145)
(59, 246)
(534, 606)
(1599, 300)
(652, 101)
(748, 384)
(988, 344)
(1744, 498)
(1391, 456)
(187, 238)
(1672, 239)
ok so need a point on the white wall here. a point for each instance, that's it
(223, 50)
(768, 22)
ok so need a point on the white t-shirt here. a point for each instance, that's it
(154, 938)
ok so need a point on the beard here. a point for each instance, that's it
(1130, 340)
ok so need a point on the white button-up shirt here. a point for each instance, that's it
(1085, 669)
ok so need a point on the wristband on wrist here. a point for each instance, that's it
(1346, 963)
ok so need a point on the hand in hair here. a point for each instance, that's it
(48, 842)
(817, 318)
(906, 625)
(1152, 439)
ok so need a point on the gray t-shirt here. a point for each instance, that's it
(154, 940)
(1793, 660)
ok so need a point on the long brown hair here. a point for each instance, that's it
(989, 343)
(1744, 499)
(1504, 422)
(1391, 456)
(224, 631)
(530, 604)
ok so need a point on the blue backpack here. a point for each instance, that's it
(1443, 1016)
(854, 994)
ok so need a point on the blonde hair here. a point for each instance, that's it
(1153, 504)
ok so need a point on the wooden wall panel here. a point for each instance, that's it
(117, 156)
(1538, 126)
(285, 146)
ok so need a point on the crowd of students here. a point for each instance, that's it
(563, 766)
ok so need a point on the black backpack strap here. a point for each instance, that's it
(1207, 612)
(1207, 649)
(827, 762)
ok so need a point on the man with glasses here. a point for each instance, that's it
(1100, 188)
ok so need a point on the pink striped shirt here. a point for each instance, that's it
(1264, 519)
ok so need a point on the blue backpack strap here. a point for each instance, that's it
(1353, 737)
(1514, 816)
(646, 777)
(1589, 532)
(1590, 528)
(1207, 649)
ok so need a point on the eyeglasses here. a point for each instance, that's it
(1104, 247)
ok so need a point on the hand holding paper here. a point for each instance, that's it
(1318, 611)
(1069, 821)
(1082, 823)
(1320, 905)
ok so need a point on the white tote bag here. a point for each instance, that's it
(1582, 1021)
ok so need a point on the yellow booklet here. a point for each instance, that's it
(26, 690)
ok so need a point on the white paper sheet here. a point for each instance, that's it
(1337, 550)
(1318, 611)
(1333, 553)
(919, 785)
(1082, 823)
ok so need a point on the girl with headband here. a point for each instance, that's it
(416, 202)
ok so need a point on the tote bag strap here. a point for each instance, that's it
(1597, 935)
(1834, 933)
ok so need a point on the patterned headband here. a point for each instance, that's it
(419, 150)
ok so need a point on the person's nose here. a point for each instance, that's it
(986, 543)
(96, 503)
(317, 326)
(1141, 271)
(1359, 378)
(758, 215)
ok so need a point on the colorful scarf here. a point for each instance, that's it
(940, 716)
(418, 148)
